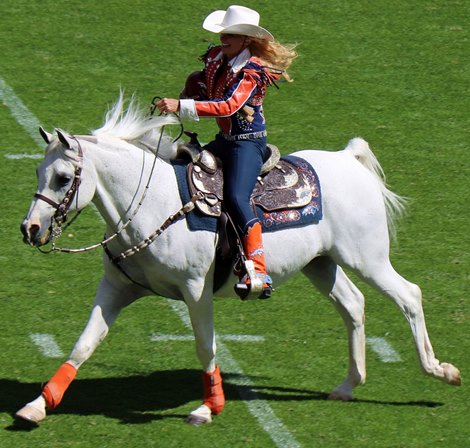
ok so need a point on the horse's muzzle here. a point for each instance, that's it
(32, 234)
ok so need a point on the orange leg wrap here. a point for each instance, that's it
(54, 390)
(214, 397)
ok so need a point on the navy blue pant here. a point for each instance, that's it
(242, 161)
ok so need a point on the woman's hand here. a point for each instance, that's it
(168, 105)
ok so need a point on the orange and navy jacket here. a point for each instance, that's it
(242, 82)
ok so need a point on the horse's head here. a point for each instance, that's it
(60, 188)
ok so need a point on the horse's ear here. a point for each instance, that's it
(45, 135)
(64, 138)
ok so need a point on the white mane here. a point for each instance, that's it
(134, 125)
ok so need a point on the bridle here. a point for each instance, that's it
(62, 208)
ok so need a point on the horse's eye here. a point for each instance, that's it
(63, 181)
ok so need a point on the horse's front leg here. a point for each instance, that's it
(108, 303)
(201, 314)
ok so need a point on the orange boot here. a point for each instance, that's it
(54, 390)
(214, 397)
(256, 282)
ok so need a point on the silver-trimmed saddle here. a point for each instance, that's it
(280, 185)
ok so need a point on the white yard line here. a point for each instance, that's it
(190, 337)
(24, 156)
(171, 338)
(383, 349)
(47, 345)
(241, 338)
(259, 408)
(20, 112)
(29, 122)
(45, 342)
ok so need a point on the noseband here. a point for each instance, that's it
(63, 207)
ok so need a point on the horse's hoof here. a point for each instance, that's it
(200, 416)
(451, 374)
(30, 415)
(197, 420)
(340, 396)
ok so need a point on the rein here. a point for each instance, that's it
(63, 207)
(56, 230)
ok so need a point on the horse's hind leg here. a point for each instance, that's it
(408, 298)
(331, 280)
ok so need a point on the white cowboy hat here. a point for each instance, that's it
(236, 20)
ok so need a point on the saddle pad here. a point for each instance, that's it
(271, 221)
(308, 214)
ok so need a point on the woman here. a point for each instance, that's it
(232, 87)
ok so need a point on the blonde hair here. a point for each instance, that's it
(274, 54)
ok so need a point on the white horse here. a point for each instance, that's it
(111, 169)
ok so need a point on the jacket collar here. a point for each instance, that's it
(239, 61)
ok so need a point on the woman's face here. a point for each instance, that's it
(233, 44)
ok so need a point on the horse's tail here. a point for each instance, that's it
(394, 204)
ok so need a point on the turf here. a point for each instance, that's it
(394, 72)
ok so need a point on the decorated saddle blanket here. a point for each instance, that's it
(288, 195)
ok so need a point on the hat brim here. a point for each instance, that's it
(213, 23)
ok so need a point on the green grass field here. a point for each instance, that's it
(394, 72)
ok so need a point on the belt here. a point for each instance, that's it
(233, 138)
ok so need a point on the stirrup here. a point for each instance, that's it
(254, 285)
